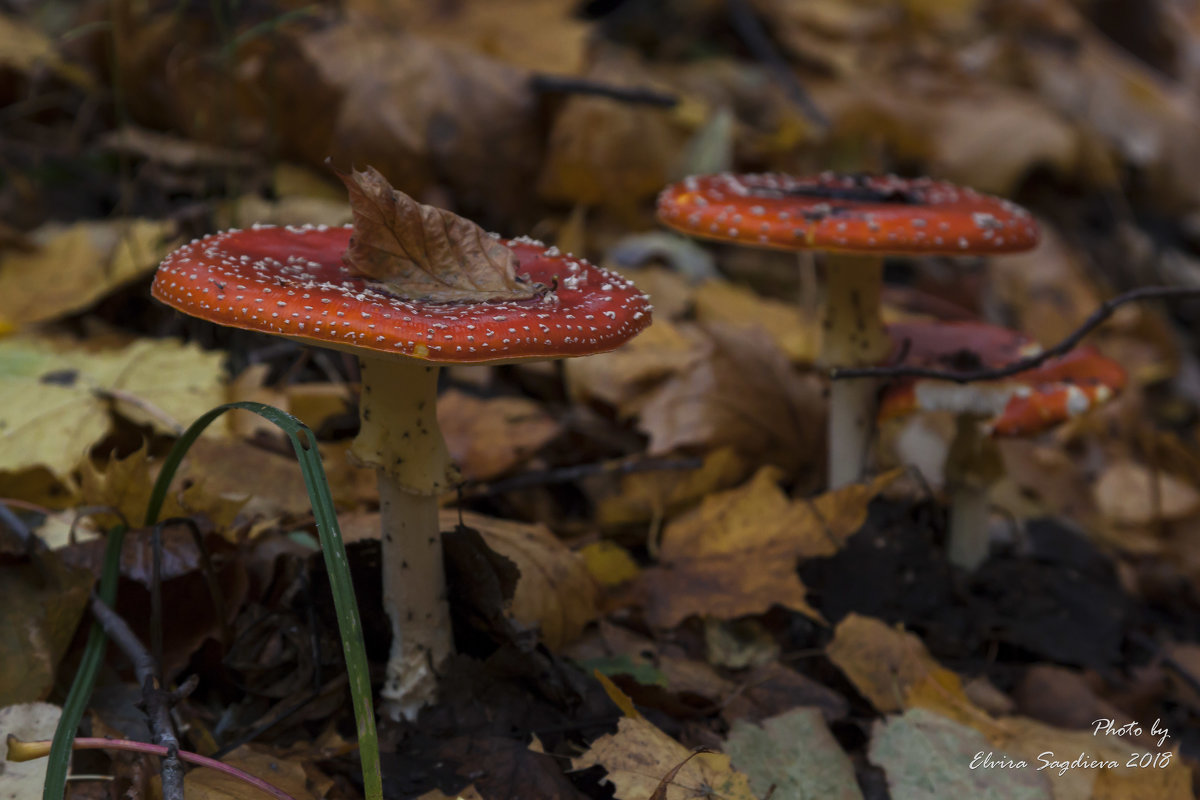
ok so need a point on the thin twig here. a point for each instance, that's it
(155, 699)
(541, 477)
(568, 85)
(26, 751)
(750, 30)
(1105, 310)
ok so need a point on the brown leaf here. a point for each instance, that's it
(285, 775)
(424, 253)
(487, 438)
(893, 670)
(638, 757)
(746, 395)
(40, 606)
(555, 590)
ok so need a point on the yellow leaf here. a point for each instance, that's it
(798, 336)
(75, 265)
(55, 402)
(125, 484)
(619, 698)
(895, 672)
(209, 784)
(554, 591)
(25, 48)
(638, 757)
(736, 553)
(609, 563)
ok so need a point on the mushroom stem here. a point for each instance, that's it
(400, 438)
(852, 335)
(972, 466)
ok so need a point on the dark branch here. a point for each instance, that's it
(156, 700)
(527, 480)
(750, 30)
(1098, 316)
(567, 85)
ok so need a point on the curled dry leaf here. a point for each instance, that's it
(420, 252)
(555, 590)
(639, 756)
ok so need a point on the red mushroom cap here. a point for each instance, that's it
(291, 281)
(1019, 405)
(847, 213)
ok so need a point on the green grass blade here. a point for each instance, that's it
(344, 601)
(85, 678)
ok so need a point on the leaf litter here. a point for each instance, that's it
(668, 527)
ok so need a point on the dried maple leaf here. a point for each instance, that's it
(424, 253)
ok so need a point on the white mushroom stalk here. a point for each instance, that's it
(399, 437)
(852, 335)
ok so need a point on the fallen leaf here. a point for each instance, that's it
(736, 554)
(125, 485)
(555, 590)
(426, 113)
(795, 755)
(746, 395)
(609, 563)
(75, 265)
(603, 152)
(556, 43)
(657, 495)
(1047, 288)
(468, 793)
(638, 756)
(1131, 494)
(623, 378)
(285, 775)
(928, 756)
(797, 336)
(421, 252)
(488, 437)
(1055, 749)
(40, 606)
(52, 411)
(894, 671)
(23, 780)
(25, 49)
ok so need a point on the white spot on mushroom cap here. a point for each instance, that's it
(311, 270)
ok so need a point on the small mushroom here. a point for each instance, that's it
(292, 282)
(857, 220)
(1020, 405)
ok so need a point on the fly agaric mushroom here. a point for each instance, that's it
(1019, 405)
(857, 219)
(293, 282)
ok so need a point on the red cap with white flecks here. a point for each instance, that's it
(291, 281)
(1019, 405)
(846, 213)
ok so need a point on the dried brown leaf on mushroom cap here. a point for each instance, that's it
(422, 252)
